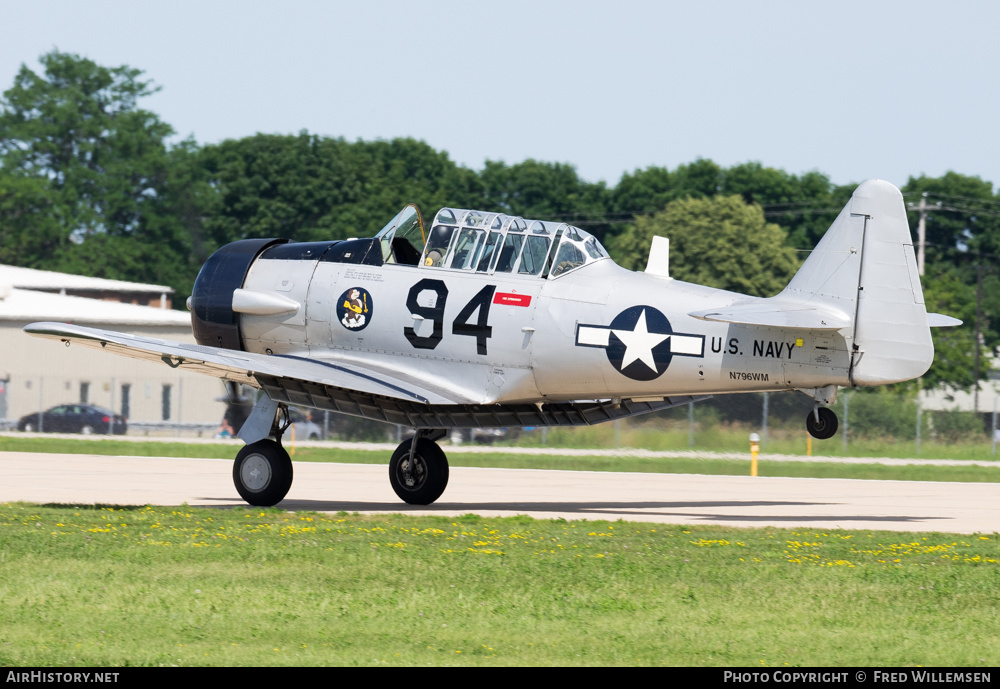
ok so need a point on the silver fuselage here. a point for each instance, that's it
(541, 338)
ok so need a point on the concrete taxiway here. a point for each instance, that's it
(544, 494)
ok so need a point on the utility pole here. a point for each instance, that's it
(979, 300)
(921, 231)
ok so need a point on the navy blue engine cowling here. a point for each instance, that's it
(212, 318)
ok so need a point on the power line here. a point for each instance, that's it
(952, 196)
(793, 208)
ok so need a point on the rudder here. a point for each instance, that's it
(892, 340)
(864, 270)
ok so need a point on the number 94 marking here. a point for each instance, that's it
(460, 326)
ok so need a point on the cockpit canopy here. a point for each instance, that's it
(477, 241)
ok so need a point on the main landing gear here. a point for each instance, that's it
(262, 472)
(418, 470)
(821, 423)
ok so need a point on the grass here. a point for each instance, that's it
(722, 437)
(103, 586)
(498, 458)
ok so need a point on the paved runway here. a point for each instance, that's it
(663, 498)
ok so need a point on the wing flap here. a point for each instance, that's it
(580, 413)
(247, 367)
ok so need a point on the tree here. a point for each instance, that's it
(312, 188)
(30, 228)
(805, 206)
(721, 242)
(648, 191)
(93, 168)
(963, 216)
(963, 237)
(543, 191)
(954, 348)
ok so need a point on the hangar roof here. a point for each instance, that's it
(31, 278)
(30, 305)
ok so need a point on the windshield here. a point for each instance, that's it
(497, 243)
(577, 248)
(402, 239)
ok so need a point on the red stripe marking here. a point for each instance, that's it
(512, 299)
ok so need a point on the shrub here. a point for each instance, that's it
(956, 426)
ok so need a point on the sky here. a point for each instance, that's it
(854, 90)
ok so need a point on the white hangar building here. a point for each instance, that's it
(38, 374)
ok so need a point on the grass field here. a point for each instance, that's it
(184, 586)
(103, 586)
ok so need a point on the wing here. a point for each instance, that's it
(349, 388)
(249, 368)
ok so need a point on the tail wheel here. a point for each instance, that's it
(825, 427)
(418, 479)
(262, 473)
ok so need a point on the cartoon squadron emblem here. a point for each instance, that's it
(640, 342)
(354, 308)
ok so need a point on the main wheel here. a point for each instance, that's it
(825, 427)
(422, 479)
(262, 473)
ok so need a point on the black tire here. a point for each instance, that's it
(420, 482)
(29, 427)
(86, 429)
(273, 477)
(826, 427)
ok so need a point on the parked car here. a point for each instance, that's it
(478, 436)
(74, 418)
(304, 428)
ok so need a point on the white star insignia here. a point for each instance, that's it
(639, 343)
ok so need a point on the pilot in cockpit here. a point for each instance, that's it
(437, 244)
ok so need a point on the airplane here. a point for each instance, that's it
(491, 320)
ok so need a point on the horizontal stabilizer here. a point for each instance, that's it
(776, 315)
(939, 320)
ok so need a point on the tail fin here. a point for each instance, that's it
(864, 268)
(861, 280)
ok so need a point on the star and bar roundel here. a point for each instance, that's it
(640, 342)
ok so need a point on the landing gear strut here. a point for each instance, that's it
(821, 423)
(418, 470)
